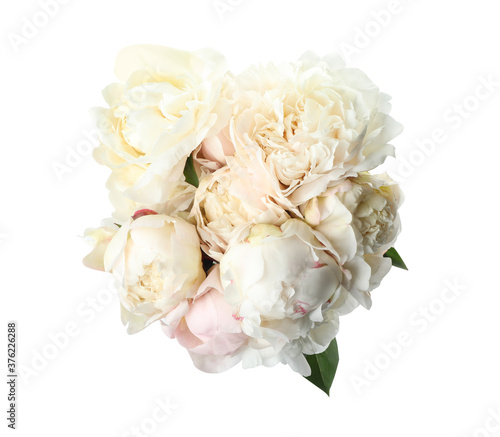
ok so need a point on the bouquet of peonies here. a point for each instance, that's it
(245, 217)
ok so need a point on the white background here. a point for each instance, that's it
(430, 56)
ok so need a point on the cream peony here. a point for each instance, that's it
(99, 238)
(374, 201)
(286, 288)
(305, 126)
(167, 103)
(180, 196)
(226, 206)
(156, 260)
(360, 220)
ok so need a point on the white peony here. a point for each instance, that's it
(99, 238)
(308, 125)
(156, 260)
(226, 206)
(374, 201)
(180, 196)
(285, 286)
(167, 103)
(360, 220)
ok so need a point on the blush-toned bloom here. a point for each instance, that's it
(166, 103)
(308, 125)
(286, 287)
(156, 260)
(207, 327)
(213, 152)
(226, 205)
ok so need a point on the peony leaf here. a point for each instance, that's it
(323, 367)
(190, 173)
(396, 259)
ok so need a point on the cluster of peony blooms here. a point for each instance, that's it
(245, 217)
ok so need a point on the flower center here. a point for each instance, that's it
(149, 284)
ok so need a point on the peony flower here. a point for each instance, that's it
(156, 260)
(303, 127)
(226, 206)
(206, 327)
(286, 288)
(213, 152)
(99, 238)
(374, 201)
(329, 216)
(167, 103)
(180, 196)
(360, 220)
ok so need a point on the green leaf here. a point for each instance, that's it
(323, 367)
(396, 259)
(190, 173)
